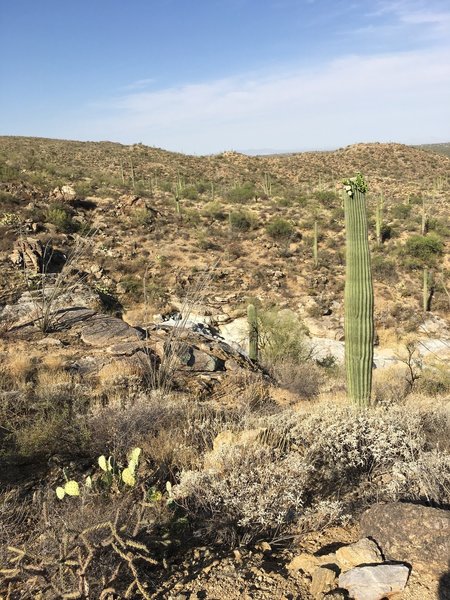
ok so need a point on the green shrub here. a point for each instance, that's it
(401, 211)
(215, 211)
(326, 198)
(61, 218)
(383, 268)
(141, 217)
(280, 229)
(190, 192)
(132, 287)
(241, 194)
(281, 336)
(242, 220)
(424, 248)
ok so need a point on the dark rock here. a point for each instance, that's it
(417, 535)
(103, 331)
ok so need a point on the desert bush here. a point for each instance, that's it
(271, 482)
(401, 211)
(304, 379)
(242, 220)
(241, 194)
(280, 229)
(424, 248)
(434, 381)
(214, 210)
(61, 218)
(281, 336)
(141, 217)
(132, 286)
(326, 198)
(390, 386)
(252, 489)
(190, 192)
(384, 268)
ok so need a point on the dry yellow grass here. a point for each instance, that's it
(20, 366)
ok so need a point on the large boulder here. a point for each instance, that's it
(103, 331)
(417, 535)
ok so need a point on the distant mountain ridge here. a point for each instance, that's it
(441, 148)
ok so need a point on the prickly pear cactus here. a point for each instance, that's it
(358, 296)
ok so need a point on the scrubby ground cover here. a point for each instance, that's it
(251, 465)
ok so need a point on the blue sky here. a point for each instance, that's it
(202, 76)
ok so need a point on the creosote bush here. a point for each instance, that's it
(281, 337)
(241, 194)
(61, 219)
(242, 220)
(424, 248)
(280, 229)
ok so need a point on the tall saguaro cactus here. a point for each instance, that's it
(358, 296)
(252, 318)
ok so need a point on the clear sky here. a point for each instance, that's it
(202, 76)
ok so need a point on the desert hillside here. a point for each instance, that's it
(146, 451)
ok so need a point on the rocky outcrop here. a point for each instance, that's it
(103, 331)
(28, 254)
(417, 535)
(358, 568)
(64, 193)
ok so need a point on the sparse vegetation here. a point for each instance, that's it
(234, 452)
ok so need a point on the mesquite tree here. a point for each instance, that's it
(358, 295)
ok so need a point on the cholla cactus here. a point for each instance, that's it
(359, 326)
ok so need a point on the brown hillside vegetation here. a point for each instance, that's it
(184, 469)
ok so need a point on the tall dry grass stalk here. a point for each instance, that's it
(45, 294)
(176, 346)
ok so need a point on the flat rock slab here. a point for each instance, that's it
(374, 582)
(417, 535)
(103, 331)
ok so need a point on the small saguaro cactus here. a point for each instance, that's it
(425, 219)
(315, 246)
(379, 220)
(358, 295)
(252, 317)
(428, 289)
(178, 192)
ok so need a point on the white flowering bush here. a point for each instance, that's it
(254, 488)
(304, 472)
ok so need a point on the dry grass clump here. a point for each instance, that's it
(302, 378)
(172, 430)
(20, 367)
(390, 385)
(46, 417)
(335, 457)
